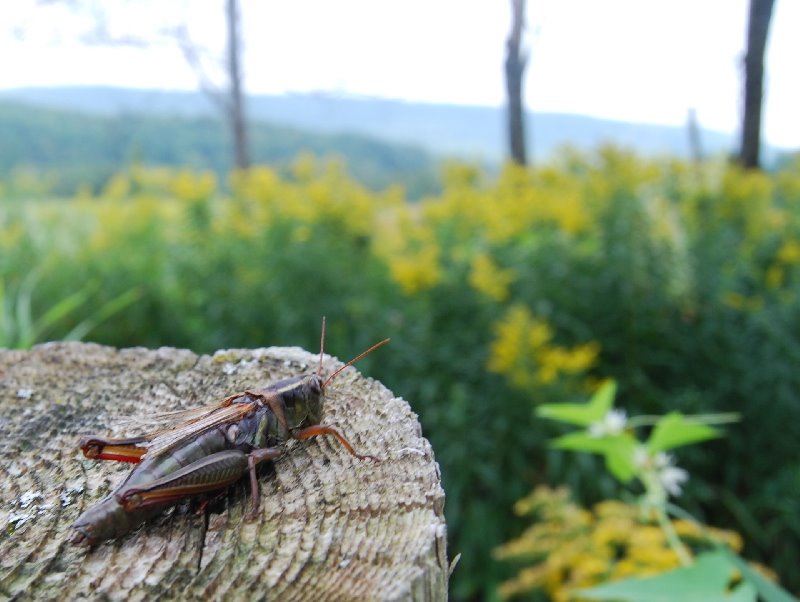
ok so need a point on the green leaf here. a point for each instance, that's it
(23, 318)
(582, 414)
(674, 430)
(107, 310)
(581, 441)
(771, 592)
(620, 458)
(618, 450)
(59, 311)
(6, 321)
(707, 580)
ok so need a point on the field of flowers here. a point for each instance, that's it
(679, 281)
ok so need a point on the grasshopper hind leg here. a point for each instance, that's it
(118, 450)
(211, 473)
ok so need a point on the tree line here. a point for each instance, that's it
(59, 151)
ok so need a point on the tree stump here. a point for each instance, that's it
(330, 527)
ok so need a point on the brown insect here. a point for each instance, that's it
(212, 448)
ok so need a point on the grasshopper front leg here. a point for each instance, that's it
(323, 429)
(211, 473)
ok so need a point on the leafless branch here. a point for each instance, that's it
(192, 54)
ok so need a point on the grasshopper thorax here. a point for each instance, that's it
(314, 398)
(302, 400)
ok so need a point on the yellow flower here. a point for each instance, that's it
(509, 344)
(304, 166)
(646, 537)
(789, 253)
(589, 568)
(612, 531)
(486, 277)
(572, 214)
(192, 186)
(735, 300)
(117, 187)
(523, 351)
(774, 276)
(739, 302)
(416, 271)
(730, 538)
(568, 547)
(687, 529)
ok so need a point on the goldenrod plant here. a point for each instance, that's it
(680, 281)
(630, 551)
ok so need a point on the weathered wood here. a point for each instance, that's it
(330, 527)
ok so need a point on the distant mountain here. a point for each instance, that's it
(450, 130)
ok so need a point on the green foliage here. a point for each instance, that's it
(712, 577)
(707, 580)
(617, 451)
(675, 430)
(568, 550)
(609, 433)
(582, 414)
(593, 553)
(20, 329)
(681, 285)
(50, 151)
(765, 588)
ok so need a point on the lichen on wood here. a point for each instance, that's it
(330, 527)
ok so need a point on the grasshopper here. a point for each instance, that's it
(210, 449)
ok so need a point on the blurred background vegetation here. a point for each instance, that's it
(502, 286)
(499, 293)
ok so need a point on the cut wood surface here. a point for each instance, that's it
(330, 527)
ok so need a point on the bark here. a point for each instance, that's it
(330, 527)
(236, 114)
(695, 142)
(757, 30)
(516, 60)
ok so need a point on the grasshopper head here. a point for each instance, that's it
(304, 402)
(308, 405)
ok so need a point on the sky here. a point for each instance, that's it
(632, 60)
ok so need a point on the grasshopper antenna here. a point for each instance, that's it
(354, 360)
(321, 346)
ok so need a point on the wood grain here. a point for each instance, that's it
(330, 527)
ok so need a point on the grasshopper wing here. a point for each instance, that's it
(200, 422)
(175, 429)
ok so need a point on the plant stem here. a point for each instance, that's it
(721, 418)
(672, 537)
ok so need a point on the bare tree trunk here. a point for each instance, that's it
(695, 143)
(757, 30)
(236, 101)
(515, 68)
